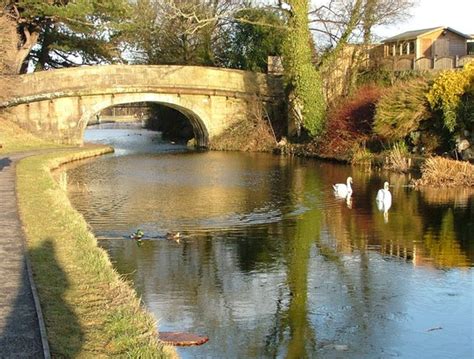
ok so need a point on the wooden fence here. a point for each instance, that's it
(424, 63)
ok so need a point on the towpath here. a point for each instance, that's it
(22, 333)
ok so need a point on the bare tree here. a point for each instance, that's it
(179, 31)
(344, 33)
(338, 22)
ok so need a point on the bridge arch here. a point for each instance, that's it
(58, 104)
(201, 133)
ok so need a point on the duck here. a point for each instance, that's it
(343, 190)
(173, 236)
(137, 235)
(384, 198)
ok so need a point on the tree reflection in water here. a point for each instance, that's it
(270, 258)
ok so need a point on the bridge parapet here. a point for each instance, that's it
(109, 79)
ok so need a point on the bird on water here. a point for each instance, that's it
(343, 190)
(384, 200)
(173, 236)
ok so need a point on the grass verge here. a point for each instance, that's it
(89, 310)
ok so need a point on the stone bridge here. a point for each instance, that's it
(58, 104)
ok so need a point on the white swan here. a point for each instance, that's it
(343, 190)
(384, 198)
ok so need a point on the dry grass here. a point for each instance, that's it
(398, 158)
(254, 134)
(443, 172)
(89, 310)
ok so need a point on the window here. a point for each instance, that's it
(399, 49)
(470, 47)
(405, 48)
(391, 49)
(408, 48)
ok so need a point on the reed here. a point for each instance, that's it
(444, 172)
(398, 158)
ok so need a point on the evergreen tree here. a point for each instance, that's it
(255, 34)
(55, 33)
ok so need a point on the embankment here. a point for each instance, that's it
(89, 310)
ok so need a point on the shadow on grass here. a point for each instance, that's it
(65, 335)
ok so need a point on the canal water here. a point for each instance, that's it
(270, 264)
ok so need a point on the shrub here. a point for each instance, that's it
(446, 93)
(381, 76)
(430, 141)
(350, 123)
(400, 110)
(439, 171)
(466, 110)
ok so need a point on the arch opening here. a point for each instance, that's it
(173, 124)
(176, 122)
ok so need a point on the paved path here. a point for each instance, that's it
(20, 329)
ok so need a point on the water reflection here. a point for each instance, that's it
(272, 265)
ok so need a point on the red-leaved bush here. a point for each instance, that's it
(350, 123)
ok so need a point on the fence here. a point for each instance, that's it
(425, 63)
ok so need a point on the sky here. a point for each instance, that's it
(457, 14)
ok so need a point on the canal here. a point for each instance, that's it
(269, 263)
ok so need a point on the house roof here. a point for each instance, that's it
(409, 35)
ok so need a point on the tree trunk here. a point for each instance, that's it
(31, 38)
(301, 77)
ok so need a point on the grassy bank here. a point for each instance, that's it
(89, 310)
(15, 139)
